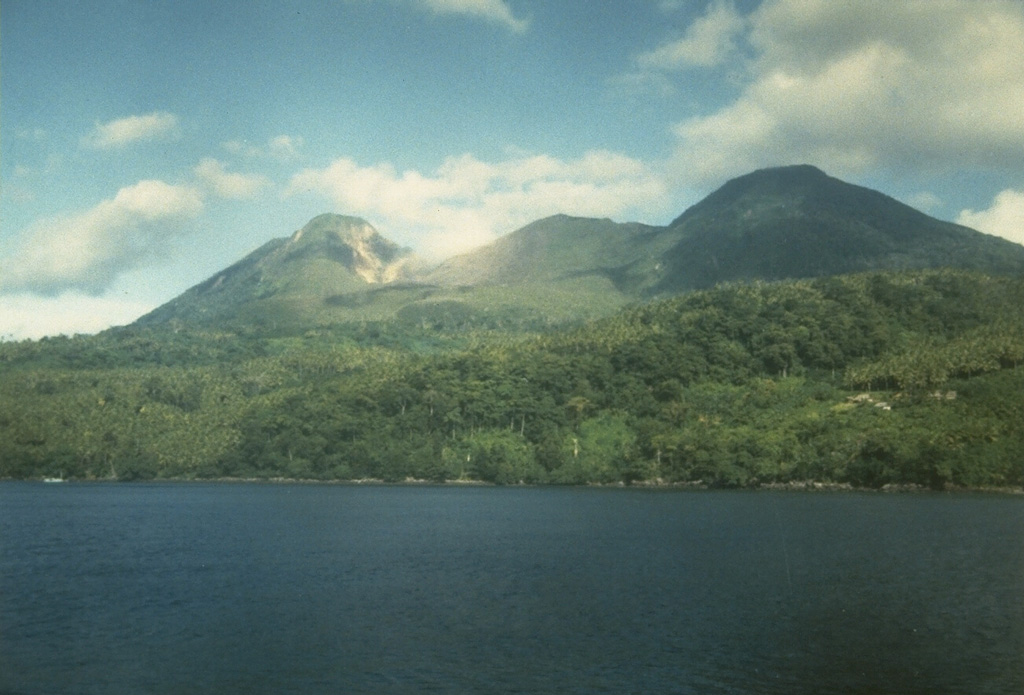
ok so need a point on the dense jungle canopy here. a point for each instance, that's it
(905, 378)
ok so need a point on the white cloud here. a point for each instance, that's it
(467, 202)
(925, 201)
(281, 147)
(1004, 218)
(708, 42)
(241, 147)
(124, 131)
(229, 185)
(850, 86)
(496, 11)
(86, 251)
(285, 147)
(30, 317)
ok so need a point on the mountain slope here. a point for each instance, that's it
(796, 221)
(552, 249)
(290, 282)
(772, 224)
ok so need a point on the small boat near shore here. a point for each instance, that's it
(54, 480)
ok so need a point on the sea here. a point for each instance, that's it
(133, 588)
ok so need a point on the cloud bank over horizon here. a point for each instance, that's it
(467, 202)
(88, 250)
(30, 317)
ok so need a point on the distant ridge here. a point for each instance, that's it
(554, 248)
(772, 224)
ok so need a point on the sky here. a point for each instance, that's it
(144, 146)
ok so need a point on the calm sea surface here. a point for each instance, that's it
(250, 588)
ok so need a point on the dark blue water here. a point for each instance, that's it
(248, 588)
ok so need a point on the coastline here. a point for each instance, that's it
(813, 486)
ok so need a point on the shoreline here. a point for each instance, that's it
(813, 486)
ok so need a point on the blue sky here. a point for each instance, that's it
(146, 145)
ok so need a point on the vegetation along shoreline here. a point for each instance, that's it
(789, 327)
(811, 486)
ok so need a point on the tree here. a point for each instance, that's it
(502, 457)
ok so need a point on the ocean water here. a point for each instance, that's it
(265, 588)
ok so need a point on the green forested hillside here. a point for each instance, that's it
(903, 378)
(798, 222)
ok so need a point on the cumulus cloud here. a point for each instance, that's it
(229, 185)
(88, 250)
(30, 317)
(467, 202)
(496, 11)
(285, 147)
(124, 131)
(281, 147)
(241, 147)
(851, 86)
(1004, 218)
(708, 42)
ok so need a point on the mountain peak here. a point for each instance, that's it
(330, 225)
(789, 170)
(796, 221)
(292, 280)
(772, 183)
(351, 241)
